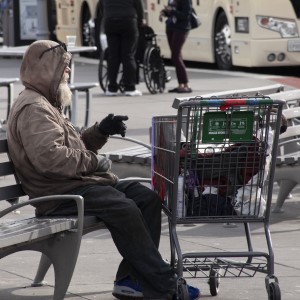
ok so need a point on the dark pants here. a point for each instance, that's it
(176, 40)
(132, 213)
(122, 38)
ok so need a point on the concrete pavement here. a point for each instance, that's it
(98, 258)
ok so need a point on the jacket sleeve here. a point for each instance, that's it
(140, 11)
(51, 149)
(183, 10)
(93, 138)
(101, 10)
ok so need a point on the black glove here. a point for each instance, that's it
(111, 125)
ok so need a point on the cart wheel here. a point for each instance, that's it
(214, 282)
(183, 293)
(154, 73)
(274, 291)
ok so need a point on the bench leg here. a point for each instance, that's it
(64, 265)
(87, 108)
(73, 116)
(67, 111)
(43, 268)
(62, 251)
(285, 188)
(9, 98)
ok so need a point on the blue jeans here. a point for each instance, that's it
(132, 214)
(122, 39)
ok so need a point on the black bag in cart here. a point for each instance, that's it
(195, 21)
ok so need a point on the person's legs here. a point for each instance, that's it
(176, 40)
(134, 229)
(114, 55)
(150, 206)
(129, 42)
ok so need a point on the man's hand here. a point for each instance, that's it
(112, 124)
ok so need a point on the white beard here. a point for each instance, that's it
(64, 94)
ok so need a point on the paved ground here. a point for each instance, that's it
(98, 258)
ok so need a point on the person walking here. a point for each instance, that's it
(121, 20)
(178, 26)
(51, 157)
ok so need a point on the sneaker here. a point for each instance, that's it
(127, 289)
(133, 93)
(111, 94)
(194, 292)
(168, 76)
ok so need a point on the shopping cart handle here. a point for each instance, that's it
(225, 103)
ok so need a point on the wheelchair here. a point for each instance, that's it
(149, 62)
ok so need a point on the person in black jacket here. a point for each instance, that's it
(178, 26)
(122, 19)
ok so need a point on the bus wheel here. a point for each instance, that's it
(222, 42)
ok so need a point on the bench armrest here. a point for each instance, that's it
(77, 198)
(139, 179)
(288, 142)
(131, 140)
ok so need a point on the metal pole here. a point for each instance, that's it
(42, 24)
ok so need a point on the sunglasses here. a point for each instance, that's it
(63, 45)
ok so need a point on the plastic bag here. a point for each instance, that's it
(248, 199)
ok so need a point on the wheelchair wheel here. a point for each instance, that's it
(102, 70)
(102, 73)
(154, 73)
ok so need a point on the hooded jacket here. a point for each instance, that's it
(49, 155)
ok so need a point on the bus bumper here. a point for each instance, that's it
(272, 53)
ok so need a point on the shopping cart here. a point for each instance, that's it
(214, 162)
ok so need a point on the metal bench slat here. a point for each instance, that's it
(137, 154)
(30, 229)
(6, 168)
(11, 192)
(3, 146)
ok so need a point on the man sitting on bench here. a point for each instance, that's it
(51, 157)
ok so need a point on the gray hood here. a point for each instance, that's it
(42, 72)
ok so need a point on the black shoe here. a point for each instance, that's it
(175, 90)
(184, 90)
(181, 90)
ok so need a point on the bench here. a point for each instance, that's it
(84, 87)
(57, 238)
(287, 163)
(132, 161)
(8, 83)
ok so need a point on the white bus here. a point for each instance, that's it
(248, 33)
